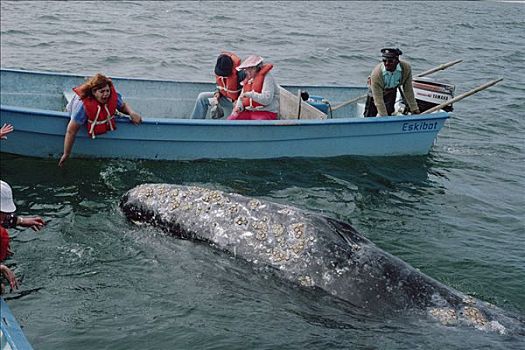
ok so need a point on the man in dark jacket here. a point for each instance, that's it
(385, 79)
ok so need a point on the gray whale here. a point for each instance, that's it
(310, 250)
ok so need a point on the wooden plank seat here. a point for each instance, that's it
(289, 107)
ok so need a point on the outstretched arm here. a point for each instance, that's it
(69, 140)
(135, 117)
(35, 222)
(6, 129)
(6, 271)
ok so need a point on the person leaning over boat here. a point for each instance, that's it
(8, 219)
(95, 104)
(383, 83)
(228, 81)
(259, 99)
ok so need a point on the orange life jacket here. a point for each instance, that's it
(4, 244)
(101, 117)
(229, 86)
(255, 84)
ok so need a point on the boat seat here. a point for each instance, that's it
(289, 107)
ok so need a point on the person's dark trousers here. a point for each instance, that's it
(389, 96)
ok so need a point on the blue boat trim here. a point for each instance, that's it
(11, 333)
(222, 122)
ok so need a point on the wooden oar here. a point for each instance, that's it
(441, 67)
(462, 96)
(353, 100)
(428, 72)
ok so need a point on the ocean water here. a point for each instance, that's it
(91, 280)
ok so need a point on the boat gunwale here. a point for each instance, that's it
(233, 123)
(11, 329)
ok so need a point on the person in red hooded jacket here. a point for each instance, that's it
(8, 219)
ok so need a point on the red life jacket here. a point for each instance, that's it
(229, 86)
(255, 84)
(101, 117)
(4, 244)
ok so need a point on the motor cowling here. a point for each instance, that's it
(431, 92)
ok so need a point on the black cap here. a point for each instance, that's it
(224, 66)
(391, 53)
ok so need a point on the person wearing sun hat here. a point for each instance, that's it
(6, 198)
(259, 98)
(384, 81)
(6, 206)
(228, 81)
(8, 219)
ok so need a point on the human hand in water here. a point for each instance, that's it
(35, 222)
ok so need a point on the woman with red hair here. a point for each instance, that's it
(95, 104)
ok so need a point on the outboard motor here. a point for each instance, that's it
(430, 93)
